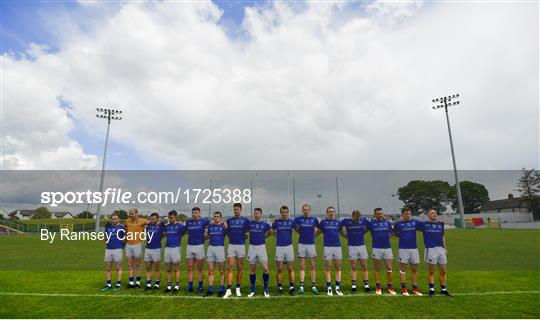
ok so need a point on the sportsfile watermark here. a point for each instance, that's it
(67, 235)
(114, 196)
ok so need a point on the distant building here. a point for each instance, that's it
(61, 215)
(510, 204)
(21, 214)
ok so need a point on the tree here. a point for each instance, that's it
(122, 214)
(528, 186)
(420, 195)
(473, 194)
(2, 217)
(41, 213)
(182, 217)
(85, 214)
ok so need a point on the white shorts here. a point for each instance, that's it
(307, 251)
(257, 253)
(236, 250)
(409, 256)
(134, 250)
(435, 255)
(332, 253)
(358, 252)
(153, 255)
(113, 255)
(195, 252)
(172, 255)
(285, 253)
(382, 253)
(215, 254)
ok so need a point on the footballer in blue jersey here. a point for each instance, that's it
(195, 255)
(435, 254)
(115, 234)
(237, 228)
(306, 226)
(172, 255)
(216, 252)
(283, 228)
(152, 254)
(406, 229)
(381, 231)
(354, 229)
(258, 232)
(330, 227)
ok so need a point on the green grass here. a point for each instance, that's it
(51, 221)
(489, 260)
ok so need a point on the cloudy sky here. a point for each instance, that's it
(269, 85)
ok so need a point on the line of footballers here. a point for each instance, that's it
(239, 228)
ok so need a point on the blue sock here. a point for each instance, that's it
(328, 284)
(291, 285)
(149, 282)
(211, 289)
(108, 283)
(131, 279)
(190, 285)
(415, 286)
(157, 282)
(221, 288)
(139, 279)
(443, 287)
(378, 285)
(266, 276)
(389, 285)
(338, 283)
(237, 286)
(200, 287)
(403, 285)
(228, 287)
(279, 285)
(118, 283)
(431, 287)
(252, 278)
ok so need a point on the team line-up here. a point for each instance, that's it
(239, 228)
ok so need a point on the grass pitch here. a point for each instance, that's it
(493, 274)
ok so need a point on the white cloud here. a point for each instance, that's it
(306, 90)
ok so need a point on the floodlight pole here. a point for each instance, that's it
(108, 114)
(445, 102)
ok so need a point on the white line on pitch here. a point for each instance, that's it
(113, 295)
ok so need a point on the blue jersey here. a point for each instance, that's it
(257, 232)
(330, 230)
(306, 228)
(284, 230)
(433, 233)
(216, 232)
(355, 231)
(195, 231)
(174, 231)
(156, 230)
(237, 228)
(116, 235)
(380, 233)
(406, 231)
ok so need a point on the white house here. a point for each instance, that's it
(61, 215)
(21, 214)
(510, 204)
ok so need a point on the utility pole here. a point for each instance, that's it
(445, 102)
(108, 114)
